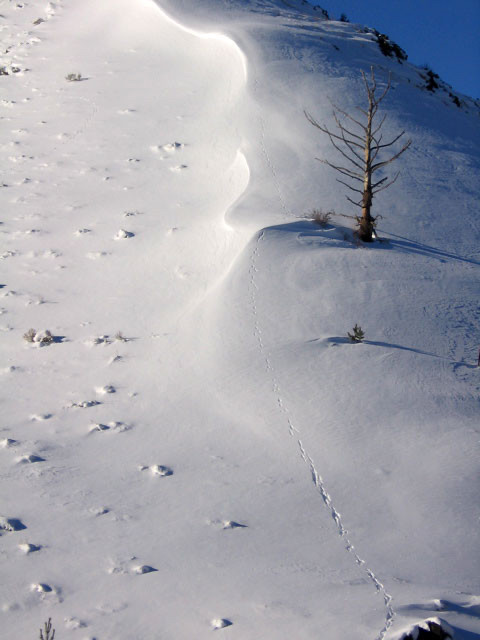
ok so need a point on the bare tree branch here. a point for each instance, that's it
(389, 144)
(389, 184)
(357, 204)
(374, 133)
(379, 182)
(347, 115)
(350, 133)
(349, 187)
(359, 166)
(347, 172)
(379, 165)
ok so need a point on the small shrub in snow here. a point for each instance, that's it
(358, 334)
(320, 217)
(29, 335)
(48, 633)
(41, 337)
(390, 48)
(455, 99)
(431, 80)
(74, 77)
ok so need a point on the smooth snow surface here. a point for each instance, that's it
(190, 445)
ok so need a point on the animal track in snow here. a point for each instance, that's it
(11, 368)
(173, 146)
(181, 273)
(99, 511)
(74, 623)
(95, 255)
(105, 389)
(143, 568)
(82, 232)
(6, 443)
(8, 254)
(122, 234)
(41, 587)
(98, 427)
(36, 300)
(41, 417)
(98, 340)
(119, 427)
(231, 524)
(30, 459)
(27, 547)
(51, 253)
(221, 623)
(83, 405)
(11, 524)
(157, 470)
(179, 167)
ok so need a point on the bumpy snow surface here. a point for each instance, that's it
(190, 445)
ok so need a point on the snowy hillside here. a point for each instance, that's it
(190, 444)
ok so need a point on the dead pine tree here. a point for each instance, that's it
(363, 148)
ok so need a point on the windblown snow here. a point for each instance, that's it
(189, 442)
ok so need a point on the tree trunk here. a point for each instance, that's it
(365, 227)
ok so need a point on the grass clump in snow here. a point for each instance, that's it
(41, 337)
(74, 77)
(47, 633)
(320, 217)
(431, 80)
(358, 334)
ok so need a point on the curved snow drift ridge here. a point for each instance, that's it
(207, 36)
(240, 166)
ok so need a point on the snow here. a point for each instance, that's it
(199, 448)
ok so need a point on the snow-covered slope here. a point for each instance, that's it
(200, 411)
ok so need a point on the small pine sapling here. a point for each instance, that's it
(358, 334)
(49, 633)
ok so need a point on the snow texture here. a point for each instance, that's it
(234, 465)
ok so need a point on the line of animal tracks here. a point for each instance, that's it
(296, 435)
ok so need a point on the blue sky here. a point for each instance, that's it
(445, 34)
